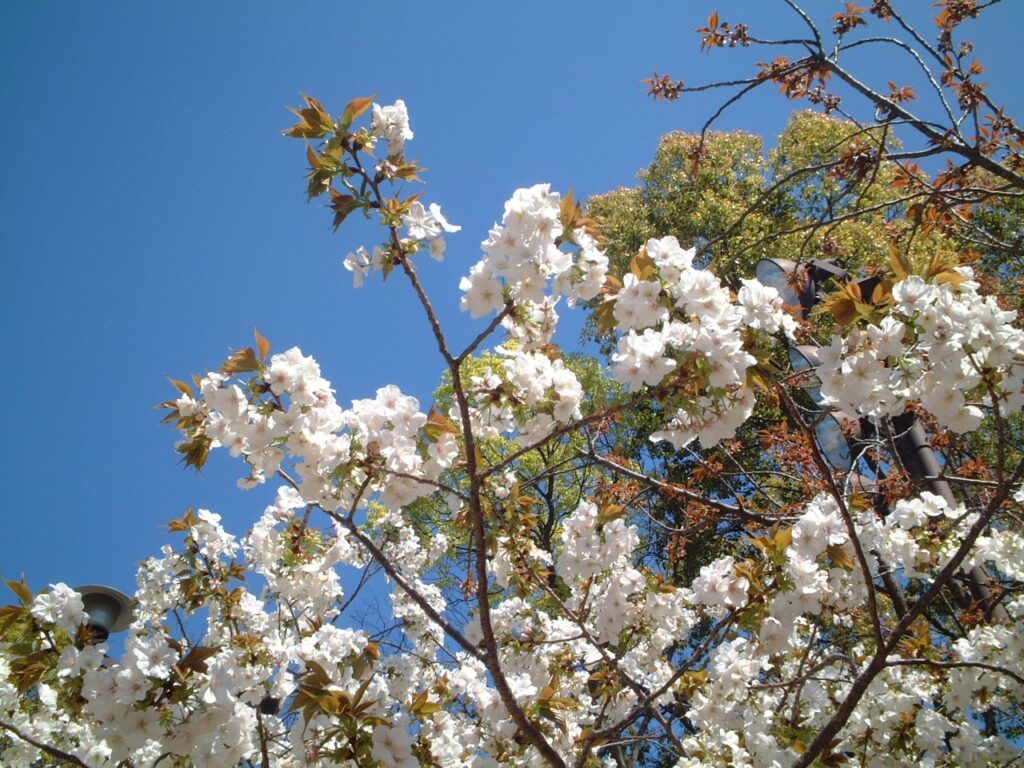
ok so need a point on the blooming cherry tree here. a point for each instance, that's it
(537, 619)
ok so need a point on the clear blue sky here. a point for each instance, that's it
(151, 214)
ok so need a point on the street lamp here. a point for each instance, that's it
(797, 284)
(108, 610)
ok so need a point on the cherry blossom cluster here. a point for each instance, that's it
(679, 318)
(943, 344)
(287, 411)
(525, 392)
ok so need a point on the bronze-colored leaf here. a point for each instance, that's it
(10, 614)
(241, 361)
(196, 451)
(844, 304)
(182, 524)
(783, 539)
(882, 293)
(409, 172)
(342, 205)
(437, 425)
(261, 344)
(20, 588)
(314, 159)
(840, 556)
(642, 265)
(610, 512)
(182, 387)
(355, 108)
(604, 316)
(314, 120)
(196, 659)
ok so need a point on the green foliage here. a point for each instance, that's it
(737, 204)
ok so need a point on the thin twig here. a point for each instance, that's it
(60, 754)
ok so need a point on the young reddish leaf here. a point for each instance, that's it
(355, 109)
(261, 344)
(314, 121)
(241, 361)
(642, 265)
(342, 205)
(182, 387)
(20, 588)
(438, 424)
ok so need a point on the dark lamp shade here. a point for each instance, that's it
(833, 443)
(804, 359)
(109, 610)
(777, 273)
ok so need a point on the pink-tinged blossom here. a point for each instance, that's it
(671, 258)
(641, 359)
(638, 304)
(718, 586)
(482, 293)
(820, 526)
(763, 308)
(913, 294)
(360, 263)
